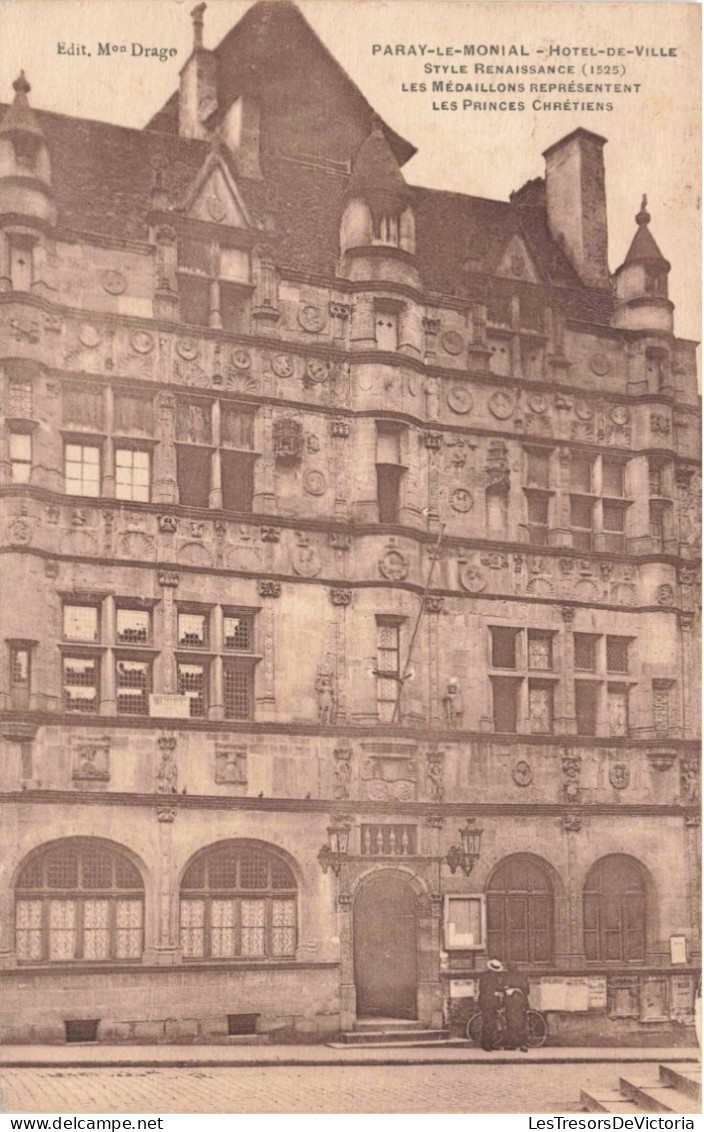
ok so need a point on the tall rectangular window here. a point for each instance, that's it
(581, 474)
(82, 469)
(389, 471)
(388, 670)
(20, 671)
(237, 470)
(132, 474)
(540, 707)
(503, 647)
(539, 650)
(614, 527)
(538, 467)
(20, 457)
(193, 683)
(238, 689)
(617, 709)
(193, 474)
(21, 399)
(586, 696)
(505, 696)
(133, 683)
(238, 632)
(612, 478)
(582, 522)
(538, 510)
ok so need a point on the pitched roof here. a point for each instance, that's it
(274, 55)
(103, 175)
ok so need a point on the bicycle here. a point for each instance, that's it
(536, 1028)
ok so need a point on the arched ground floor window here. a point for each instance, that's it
(520, 911)
(615, 910)
(79, 900)
(238, 901)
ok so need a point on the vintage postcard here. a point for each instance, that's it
(350, 526)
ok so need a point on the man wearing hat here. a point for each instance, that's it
(491, 983)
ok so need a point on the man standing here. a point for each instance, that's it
(491, 984)
(517, 989)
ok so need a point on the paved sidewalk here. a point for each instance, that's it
(89, 1056)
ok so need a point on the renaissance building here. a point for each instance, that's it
(350, 548)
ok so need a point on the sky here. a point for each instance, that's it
(653, 133)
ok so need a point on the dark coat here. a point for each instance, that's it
(489, 983)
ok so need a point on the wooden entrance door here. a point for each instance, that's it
(385, 947)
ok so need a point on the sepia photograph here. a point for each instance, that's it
(350, 524)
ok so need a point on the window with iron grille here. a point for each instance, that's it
(193, 630)
(82, 469)
(238, 631)
(81, 683)
(585, 651)
(21, 399)
(586, 696)
(79, 901)
(133, 680)
(541, 711)
(133, 626)
(19, 666)
(132, 474)
(614, 527)
(193, 683)
(238, 689)
(539, 650)
(20, 457)
(617, 654)
(238, 902)
(80, 623)
(520, 911)
(615, 911)
(582, 522)
(388, 669)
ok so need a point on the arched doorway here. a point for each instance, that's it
(385, 947)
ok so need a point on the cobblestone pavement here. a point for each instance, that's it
(302, 1089)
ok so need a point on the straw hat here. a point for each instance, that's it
(495, 965)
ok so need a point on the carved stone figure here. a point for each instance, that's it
(435, 771)
(452, 703)
(325, 687)
(167, 772)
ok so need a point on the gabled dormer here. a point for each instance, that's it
(214, 196)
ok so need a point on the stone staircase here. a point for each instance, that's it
(675, 1089)
(391, 1032)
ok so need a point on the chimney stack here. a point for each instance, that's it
(198, 88)
(576, 200)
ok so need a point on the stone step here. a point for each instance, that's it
(393, 1037)
(373, 1025)
(612, 1102)
(652, 1095)
(686, 1078)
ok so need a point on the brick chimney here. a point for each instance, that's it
(576, 199)
(198, 87)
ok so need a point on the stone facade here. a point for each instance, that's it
(332, 520)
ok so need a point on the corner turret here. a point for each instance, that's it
(640, 283)
(26, 199)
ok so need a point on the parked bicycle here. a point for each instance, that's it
(536, 1028)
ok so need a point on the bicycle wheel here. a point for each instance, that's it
(536, 1029)
(474, 1029)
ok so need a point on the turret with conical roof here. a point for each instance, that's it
(378, 212)
(640, 283)
(26, 199)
